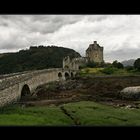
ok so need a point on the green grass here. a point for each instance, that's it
(15, 115)
(99, 71)
(95, 71)
(95, 114)
(88, 113)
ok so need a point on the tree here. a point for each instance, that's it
(137, 64)
(117, 64)
(35, 58)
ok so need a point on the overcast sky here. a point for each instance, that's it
(118, 34)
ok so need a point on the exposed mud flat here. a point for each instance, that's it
(103, 89)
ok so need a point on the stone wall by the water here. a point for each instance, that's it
(131, 93)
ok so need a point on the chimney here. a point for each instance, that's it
(95, 42)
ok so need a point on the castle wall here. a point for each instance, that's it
(75, 63)
(95, 55)
(95, 52)
(66, 62)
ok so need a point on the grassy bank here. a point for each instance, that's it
(85, 113)
(95, 114)
(108, 71)
(24, 116)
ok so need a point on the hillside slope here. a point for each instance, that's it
(37, 57)
(129, 62)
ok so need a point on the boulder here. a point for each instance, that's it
(132, 93)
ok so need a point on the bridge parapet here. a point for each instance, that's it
(12, 79)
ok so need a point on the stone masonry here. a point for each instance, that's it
(94, 53)
(11, 86)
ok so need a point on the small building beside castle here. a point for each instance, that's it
(94, 53)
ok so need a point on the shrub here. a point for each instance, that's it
(129, 68)
(108, 70)
(91, 64)
(137, 64)
(102, 64)
(82, 66)
(107, 65)
(87, 70)
(95, 64)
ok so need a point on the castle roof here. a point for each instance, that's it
(93, 46)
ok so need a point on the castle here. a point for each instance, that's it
(94, 53)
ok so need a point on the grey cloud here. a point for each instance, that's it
(4, 24)
(55, 22)
(46, 23)
(97, 18)
(123, 54)
(73, 31)
(15, 43)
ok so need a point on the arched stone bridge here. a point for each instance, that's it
(13, 86)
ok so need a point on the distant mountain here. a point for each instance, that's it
(128, 62)
(35, 58)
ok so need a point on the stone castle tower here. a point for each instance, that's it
(95, 53)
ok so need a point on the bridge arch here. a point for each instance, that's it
(67, 75)
(60, 75)
(25, 92)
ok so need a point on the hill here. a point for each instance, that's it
(35, 58)
(128, 62)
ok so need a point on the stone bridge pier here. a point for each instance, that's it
(14, 86)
